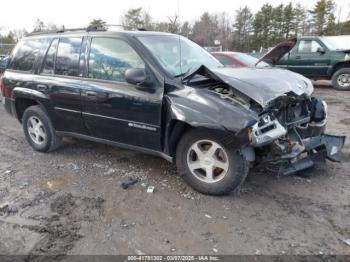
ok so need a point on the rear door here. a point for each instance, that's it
(60, 78)
(114, 109)
(306, 60)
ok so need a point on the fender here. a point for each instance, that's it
(199, 108)
(28, 93)
(337, 66)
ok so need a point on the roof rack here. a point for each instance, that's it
(86, 29)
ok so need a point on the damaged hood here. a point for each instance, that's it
(262, 85)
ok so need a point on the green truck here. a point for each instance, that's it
(326, 57)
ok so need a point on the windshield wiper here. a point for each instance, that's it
(183, 74)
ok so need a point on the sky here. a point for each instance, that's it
(23, 13)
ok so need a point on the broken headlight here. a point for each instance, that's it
(266, 130)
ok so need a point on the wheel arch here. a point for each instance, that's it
(21, 104)
(24, 98)
(177, 129)
(340, 65)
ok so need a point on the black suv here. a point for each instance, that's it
(163, 94)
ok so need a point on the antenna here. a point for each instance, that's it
(180, 51)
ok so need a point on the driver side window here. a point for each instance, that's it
(110, 58)
(308, 46)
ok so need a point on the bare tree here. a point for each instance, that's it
(39, 26)
(19, 33)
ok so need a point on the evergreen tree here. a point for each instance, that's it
(243, 27)
(323, 17)
(133, 19)
(288, 18)
(98, 23)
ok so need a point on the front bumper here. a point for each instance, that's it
(298, 144)
(313, 150)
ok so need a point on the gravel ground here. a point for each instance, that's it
(71, 202)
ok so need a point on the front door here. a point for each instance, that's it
(306, 59)
(114, 109)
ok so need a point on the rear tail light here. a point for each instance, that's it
(4, 91)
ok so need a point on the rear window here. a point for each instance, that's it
(67, 59)
(25, 54)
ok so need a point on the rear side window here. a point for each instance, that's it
(67, 59)
(109, 59)
(25, 54)
(49, 63)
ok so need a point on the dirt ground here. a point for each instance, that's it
(71, 202)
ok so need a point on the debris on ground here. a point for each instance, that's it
(144, 184)
(150, 189)
(124, 224)
(49, 184)
(130, 182)
(347, 241)
(191, 195)
(207, 216)
(110, 171)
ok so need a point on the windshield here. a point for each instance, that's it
(335, 43)
(249, 60)
(177, 54)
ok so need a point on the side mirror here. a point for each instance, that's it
(138, 76)
(321, 50)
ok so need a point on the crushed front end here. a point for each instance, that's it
(290, 133)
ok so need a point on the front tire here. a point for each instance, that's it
(341, 79)
(39, 130)
(208, 165)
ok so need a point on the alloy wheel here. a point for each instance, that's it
(207, 161)
(36, 130)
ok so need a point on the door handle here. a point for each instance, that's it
(298, 57)
(42, 87)
(91, 93)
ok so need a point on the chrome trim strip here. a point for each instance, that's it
(119, 119)
(65, 109)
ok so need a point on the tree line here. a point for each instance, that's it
(246, 31)
(243, 31)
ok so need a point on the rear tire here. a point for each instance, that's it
(341, 79)
(208, 165)
(39, 130)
